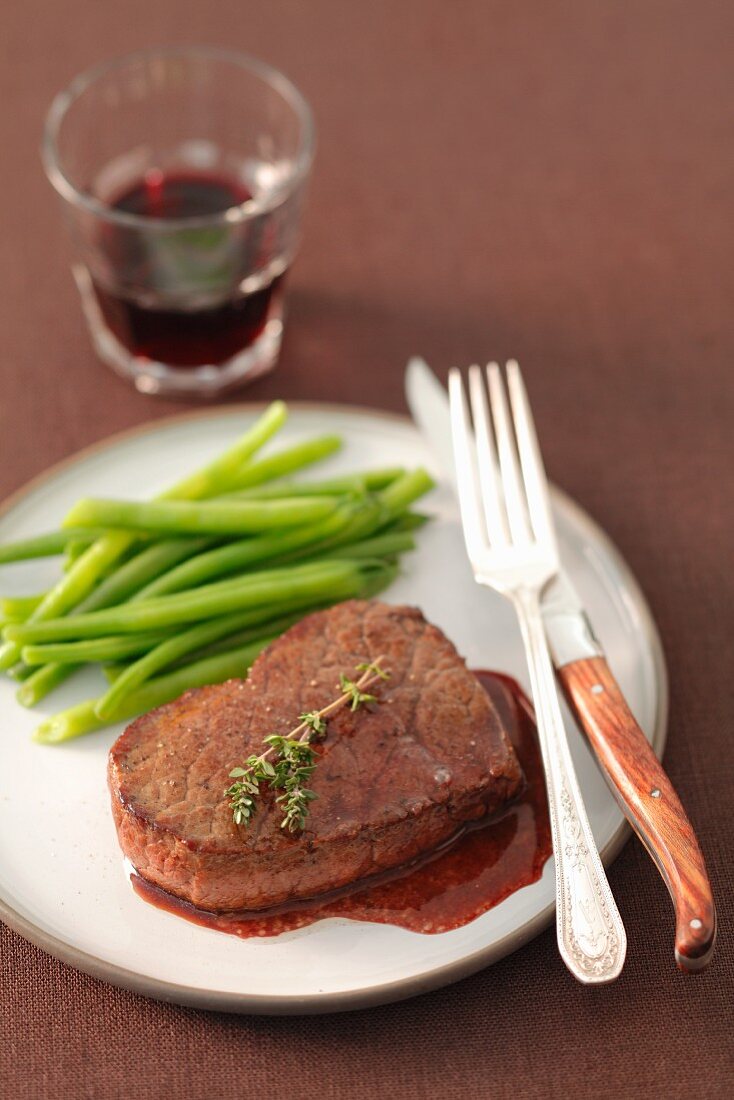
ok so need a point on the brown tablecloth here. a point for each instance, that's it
(551, 181)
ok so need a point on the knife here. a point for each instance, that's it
(633, 772)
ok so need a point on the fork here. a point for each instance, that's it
(511, 543)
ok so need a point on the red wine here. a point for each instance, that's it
(177, 294)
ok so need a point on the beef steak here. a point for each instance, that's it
(393, 781)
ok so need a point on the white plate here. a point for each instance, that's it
(62, 883)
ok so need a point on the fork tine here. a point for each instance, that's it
(536, 482)
(494, 512)
(466, 476)
(509, 466)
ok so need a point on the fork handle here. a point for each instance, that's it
(591, 936)
(649, 801)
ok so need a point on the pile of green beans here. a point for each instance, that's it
(187, 589)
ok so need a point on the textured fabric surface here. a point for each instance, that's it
(549, 181)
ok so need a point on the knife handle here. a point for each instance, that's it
(648, 800)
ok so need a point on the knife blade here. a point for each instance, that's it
(633, 772)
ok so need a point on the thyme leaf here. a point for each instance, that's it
(353, 693)
(289, 761)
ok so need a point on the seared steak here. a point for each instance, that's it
(393, 781)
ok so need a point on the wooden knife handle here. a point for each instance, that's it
(648, 800)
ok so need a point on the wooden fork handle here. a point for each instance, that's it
(648, 800)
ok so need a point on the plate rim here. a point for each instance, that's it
(365, 997)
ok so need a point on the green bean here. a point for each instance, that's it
(381, 546)
(167, 652)
(161, 556)
(42, 681)
(370, 588)
(216, 477)
(122, 582)
(214, 669)
(150, 563)
(332, 579)
(383, 510)
(73, 586)
(88, 573)
(378, 580)
(115, 648)
(350, 483)
(242, 554)
(18, 608)
(379, 514)
(48, 677)
(39, 546)
(224, 471)
(384, 517)
(408, 521)
(77, 583)
(285, 462)
(373, 587)
(74, 551)
(112, 648)
(368, 516)
(275, 627)
(404, 490)
(68, 724)
(206, 517)
(20, 672)
(85, 537)
(82, 718)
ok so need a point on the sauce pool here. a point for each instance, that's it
(448, 889)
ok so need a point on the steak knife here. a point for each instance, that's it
(633, 772)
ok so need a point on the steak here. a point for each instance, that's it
(394, 780)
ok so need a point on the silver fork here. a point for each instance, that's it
(511, 543)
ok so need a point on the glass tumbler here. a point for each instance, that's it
(182, 175)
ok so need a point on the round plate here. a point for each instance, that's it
(62, 882)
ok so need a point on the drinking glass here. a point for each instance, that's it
(182, 175)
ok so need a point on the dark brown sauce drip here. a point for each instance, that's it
(449, 889)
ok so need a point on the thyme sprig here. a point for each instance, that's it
(289, 761)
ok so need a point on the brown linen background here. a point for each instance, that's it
(546, 180)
